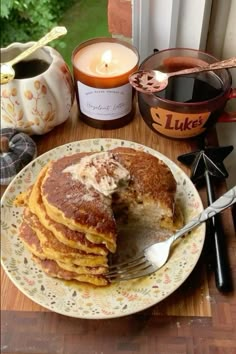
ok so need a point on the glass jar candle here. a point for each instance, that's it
(101, 68)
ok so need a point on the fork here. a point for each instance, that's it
(155, 256)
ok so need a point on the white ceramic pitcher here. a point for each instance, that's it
(37, 103)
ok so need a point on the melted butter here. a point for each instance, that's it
(100, 171)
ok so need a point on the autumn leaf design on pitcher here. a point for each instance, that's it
(40, 116)
(15, 116)
(9, 105)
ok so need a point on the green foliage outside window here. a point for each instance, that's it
(26, 20)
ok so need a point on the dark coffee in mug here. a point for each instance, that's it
(194, 88)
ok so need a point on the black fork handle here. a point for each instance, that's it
(223, 277)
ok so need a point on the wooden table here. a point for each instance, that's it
(196, 318)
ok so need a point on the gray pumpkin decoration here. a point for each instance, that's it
(17, 149)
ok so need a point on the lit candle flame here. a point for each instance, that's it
(107, 57)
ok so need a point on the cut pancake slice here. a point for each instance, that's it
(150, 198)
(68, 201)
(54, 270)
(70, 238)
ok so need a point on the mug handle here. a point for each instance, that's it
(228, 116)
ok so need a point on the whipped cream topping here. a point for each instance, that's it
(100, 171)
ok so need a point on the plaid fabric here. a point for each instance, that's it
(22, 150)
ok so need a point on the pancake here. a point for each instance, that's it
(53, 269)
(69, 202)
(71, 238)
(54, 249)
(32, 243)
(81, 270)
(30, 240)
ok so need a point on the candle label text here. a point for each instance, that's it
(105, 104)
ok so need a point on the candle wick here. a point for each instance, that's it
(106, 65)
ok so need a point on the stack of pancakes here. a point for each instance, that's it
(70, 224)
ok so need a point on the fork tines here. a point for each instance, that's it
(135, 268)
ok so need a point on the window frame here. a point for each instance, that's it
(161, 24)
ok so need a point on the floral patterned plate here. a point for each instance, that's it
(86, 301)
